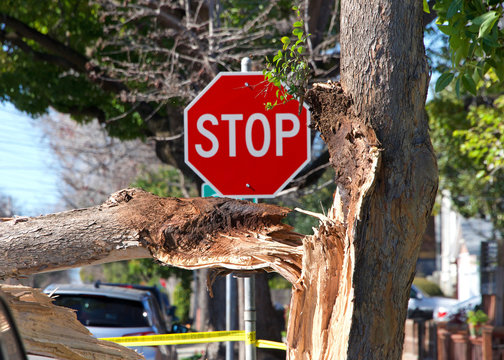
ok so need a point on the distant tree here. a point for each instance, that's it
(90, 163)
(7, 207)
(468, 137)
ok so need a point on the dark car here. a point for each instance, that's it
(162, 299)
(109, 311)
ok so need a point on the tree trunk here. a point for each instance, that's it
(357, 269)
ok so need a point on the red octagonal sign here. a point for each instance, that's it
(239, 147)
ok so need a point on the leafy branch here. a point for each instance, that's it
(289, 70)
(475, 41)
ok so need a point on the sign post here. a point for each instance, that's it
(249, 313)
(243, 150)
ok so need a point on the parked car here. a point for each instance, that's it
(110, 311)
(421, 305)
(167, 310)
(458, 312)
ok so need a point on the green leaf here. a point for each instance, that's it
(457, 87)
(453, 8)
(300, 49)
(426, 6)
(285, 40)
(499, 70)
(469, 84)
(476, 75)
(298, 24)
(443, 81)
(297, 32)
(489, 20)
(446, 29)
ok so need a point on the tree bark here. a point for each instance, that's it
(352, 296)
(189, 233)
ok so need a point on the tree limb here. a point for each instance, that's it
(188, 233)
(73, 57)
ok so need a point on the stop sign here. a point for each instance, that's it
(239, 147)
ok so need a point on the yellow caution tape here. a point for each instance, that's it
(268, 344)
(250, 338)
(196, 338)
(174, 339)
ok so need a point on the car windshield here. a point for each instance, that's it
(94, 310)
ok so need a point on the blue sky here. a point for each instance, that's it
(27, 169)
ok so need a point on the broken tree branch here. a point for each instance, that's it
(188, 233)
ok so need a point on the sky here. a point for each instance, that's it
(28, 171)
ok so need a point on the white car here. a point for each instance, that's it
(458, 312)
(110, 311)
(421, 305)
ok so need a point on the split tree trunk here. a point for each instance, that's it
(352, 297)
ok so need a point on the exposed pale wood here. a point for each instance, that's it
(189, 233)
(54, 331)
(322, 306)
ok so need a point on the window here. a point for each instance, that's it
(93, 310)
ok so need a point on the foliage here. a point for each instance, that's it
(193, 357)
(35, 76)
(142, 271)
(123, 62)
(289, 70)
(428, 287)
(476, 317)
(483, 141)
(467, 140)
(277, 282)
(166, 181)
(181, 295)
(475, 42)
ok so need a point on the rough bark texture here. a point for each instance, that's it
(54, 331)
(190, 233)
(351, 300)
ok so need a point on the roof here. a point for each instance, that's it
(102, 290)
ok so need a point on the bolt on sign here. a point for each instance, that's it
(233, 143)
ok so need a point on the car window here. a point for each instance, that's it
(413, 293)
(152, 307)
(94, 310)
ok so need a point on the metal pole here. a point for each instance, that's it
(250, 318)
(249, 286)
(230, 312)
